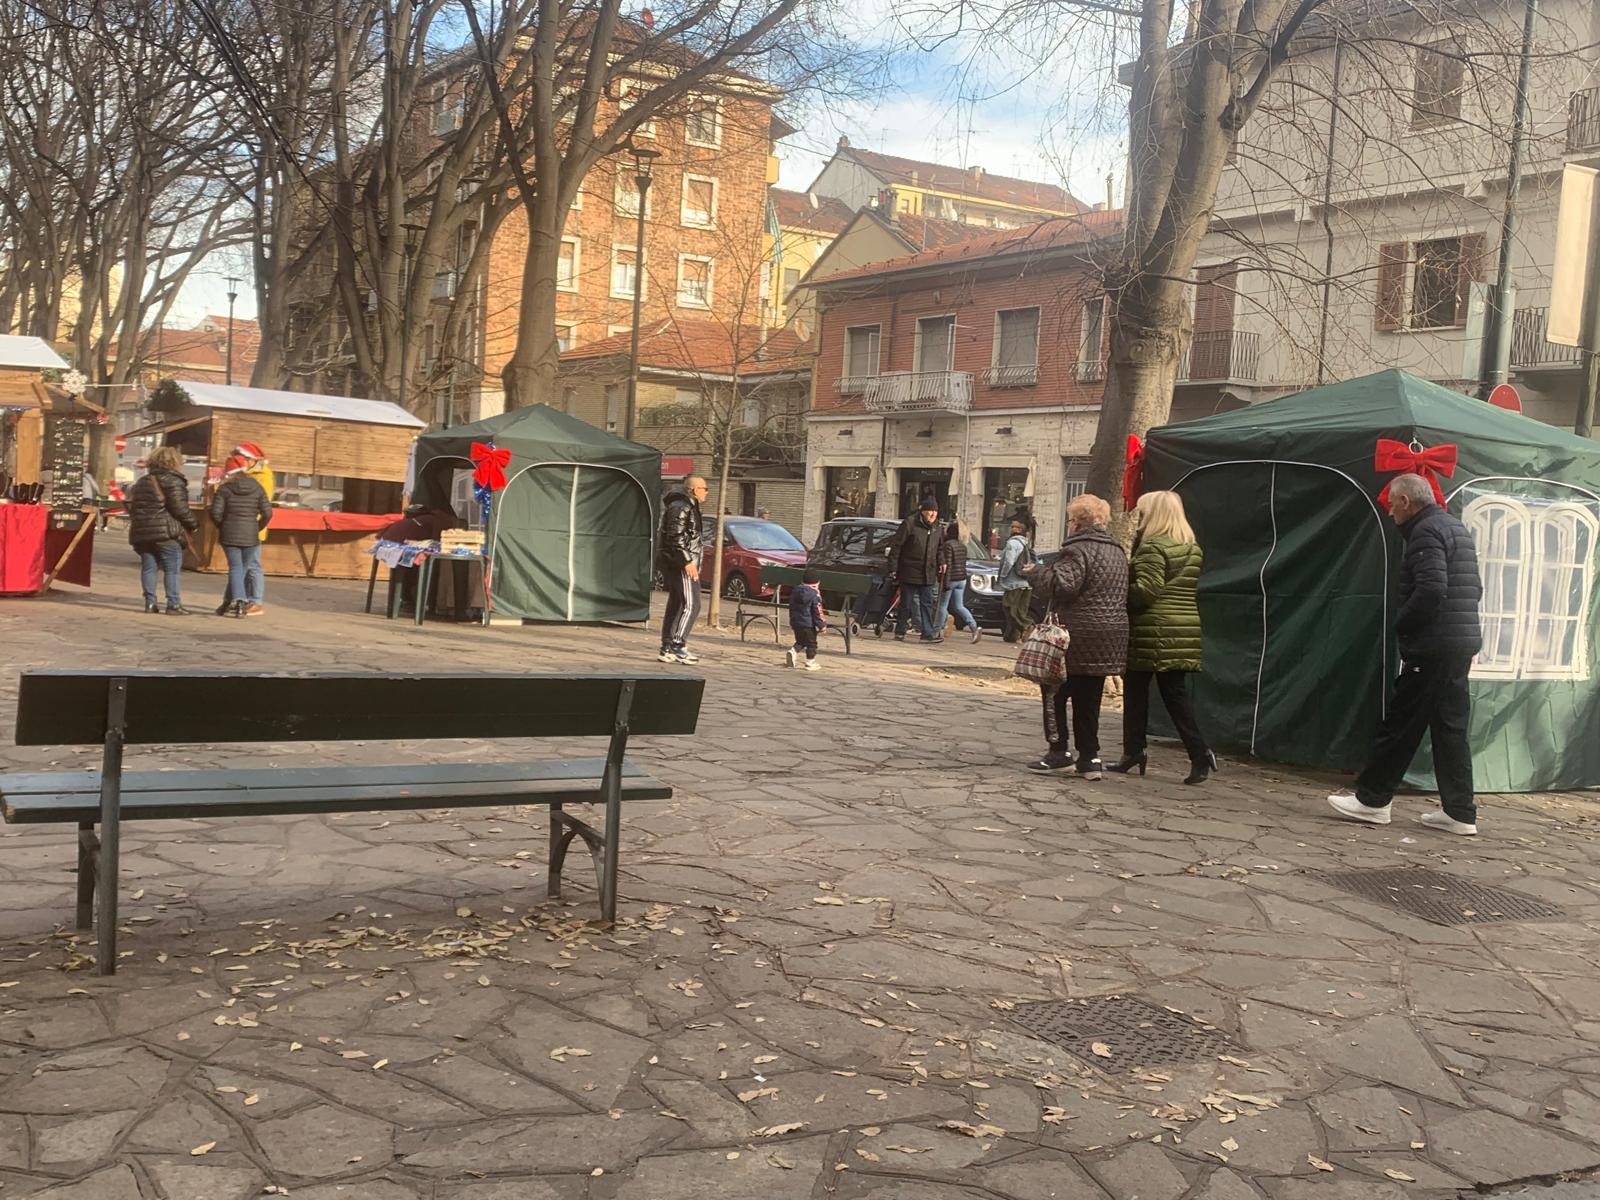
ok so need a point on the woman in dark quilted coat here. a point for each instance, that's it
(158, 515)
(1086, 589)
(1164, 645)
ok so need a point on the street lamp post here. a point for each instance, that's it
(405, 306)
(233, 294)
(643, 160)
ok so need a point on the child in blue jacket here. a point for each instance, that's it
(806, 619)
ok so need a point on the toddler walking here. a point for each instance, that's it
(806, 619)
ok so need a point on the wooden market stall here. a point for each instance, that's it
(339, 465)
(46, 532)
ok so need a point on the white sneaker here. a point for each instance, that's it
(813, 665)
(667, 656)
(1445, 823)
(790, 658)
(685, 656)
(977, 632)
(1349, 807)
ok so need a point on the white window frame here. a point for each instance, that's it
(617, 194)
(577, 267)
(848, 383)
(1091, 360)
(641, 284)
(625, 86)
(571, 328)
(710, 221)
(1531, 657)
(447, 110)
(614, 330)
(715, 105)
(916, 347)
(1014, 374)
(682, 300)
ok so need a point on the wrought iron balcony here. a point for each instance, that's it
(1090, 370)
(1529, 350)
(1012, 377)
(920, 391)
(1583, 120)
(1221, 356)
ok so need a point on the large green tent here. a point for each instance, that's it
(1300, 570)
(571, 533)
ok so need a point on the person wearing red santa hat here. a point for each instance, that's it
(241, 510)
(256, 467)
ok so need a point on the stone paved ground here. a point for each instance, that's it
(827, 938)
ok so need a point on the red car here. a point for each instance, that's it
(748, 544)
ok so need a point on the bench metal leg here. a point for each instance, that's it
(87, 845)
(611, 786)
(105, 951)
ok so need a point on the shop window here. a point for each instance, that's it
(1537, 564)
(1003, 498)
(848, 492)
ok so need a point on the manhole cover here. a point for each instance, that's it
(1437, 897)
(1136, 1032)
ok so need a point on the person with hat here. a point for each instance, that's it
(913, 555)
(257, 468)
(240, 509)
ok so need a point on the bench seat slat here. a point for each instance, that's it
(169, 795)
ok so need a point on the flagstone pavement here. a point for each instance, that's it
(828, 943)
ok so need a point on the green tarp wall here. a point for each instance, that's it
(1301, 568)
(571, 534)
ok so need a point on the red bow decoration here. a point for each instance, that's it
(1133, 474)
(1430, 464)
(490, 463)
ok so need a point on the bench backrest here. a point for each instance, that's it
(68, 708)
(846, 583)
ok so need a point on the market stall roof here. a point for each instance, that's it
(34, 352)
(300, 404)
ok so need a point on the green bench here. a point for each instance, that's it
(115, 709)
(775, 612)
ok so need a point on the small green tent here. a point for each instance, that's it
(571, 533)
(1298, 591)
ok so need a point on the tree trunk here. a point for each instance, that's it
(714, 609)
(530, 374)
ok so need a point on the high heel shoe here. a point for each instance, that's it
(1201, 771)
(1128, 762)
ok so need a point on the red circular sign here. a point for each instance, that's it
(121, 443)
(1505, 396)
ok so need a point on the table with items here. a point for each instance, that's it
(415, 562)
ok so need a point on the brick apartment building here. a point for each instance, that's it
(971, 372)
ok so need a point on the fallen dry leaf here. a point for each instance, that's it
(910, 1149)
(1318, 1163)
(869, 1155)
(757, 1094)
(1230, 1145)
(561, 1053)
(764, 1058)
(779, 1160)
(973, 1131)
(1100, 1049)
(1400, 1175)
(202, 1148)
(775, 1130)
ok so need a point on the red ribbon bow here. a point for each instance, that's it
(1133, 474)
(490, 466)
(1430, 464)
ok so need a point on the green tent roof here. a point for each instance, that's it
(540, 434)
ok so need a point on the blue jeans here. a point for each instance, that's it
(954, 601)
(916, 604)
(245, 581)
(167, 559)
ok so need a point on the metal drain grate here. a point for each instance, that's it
(1438, 897)
(1136, 1032)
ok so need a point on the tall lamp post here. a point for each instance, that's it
(643, 160)
(233, 294)
(405, 305)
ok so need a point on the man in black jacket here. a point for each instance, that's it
(1438, 633)
(913, 555)
(678, 558)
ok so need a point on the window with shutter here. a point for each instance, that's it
(1390, 309)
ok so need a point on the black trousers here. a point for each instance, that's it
(1174, 686)
(1430, 697)
(1085, 693)
(805, 639)
(683, 606)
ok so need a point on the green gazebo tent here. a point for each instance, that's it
(570, 535)
(1298, 591)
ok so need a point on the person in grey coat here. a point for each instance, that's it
(240, 509)
(1086, 590)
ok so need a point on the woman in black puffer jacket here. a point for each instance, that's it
(158, 516)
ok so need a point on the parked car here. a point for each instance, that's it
(748, 544)
(858, 545)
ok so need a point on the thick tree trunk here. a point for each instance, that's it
(714, 609)
(530, 374)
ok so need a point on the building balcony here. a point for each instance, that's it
(1090, 370)
(1583, 120)
(1221, 357)
(919, 392)
(1011, 377)
(1530, 351)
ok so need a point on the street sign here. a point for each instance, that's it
(121, 443)
(1571, 289)
(1505, 396)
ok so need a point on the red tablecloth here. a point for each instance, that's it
(338, 522)
(22, 537)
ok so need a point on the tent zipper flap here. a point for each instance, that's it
(572, 537)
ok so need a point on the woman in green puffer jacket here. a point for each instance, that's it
(1164, 632)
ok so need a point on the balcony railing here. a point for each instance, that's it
(920, 391)
(853, 385)
(1583, 120)
(1012, 377)
(1222, 355)
(1090, 370)
(1528, 346)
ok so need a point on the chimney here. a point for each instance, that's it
(913, 179)
(812, 196)
(977, 174)
(844, 142)
(1111, 199)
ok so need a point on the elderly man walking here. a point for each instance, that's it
(1438, 633)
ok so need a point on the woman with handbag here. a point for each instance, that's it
(158, 519)
(1165, 644)
(1086, 591)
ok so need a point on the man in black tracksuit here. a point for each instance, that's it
(678, 557)
(1438, 633)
